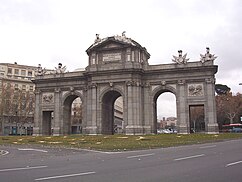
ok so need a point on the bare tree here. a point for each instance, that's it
(17, 106)
(228, 107)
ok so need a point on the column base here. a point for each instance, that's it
(213, 128)
(183, 129)
(90, 130)
(36, 131)
(137, 130)
(56, 131)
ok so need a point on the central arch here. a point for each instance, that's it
(107, 121)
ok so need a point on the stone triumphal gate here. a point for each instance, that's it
(118, 66)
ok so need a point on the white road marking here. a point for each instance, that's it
(30, 149)
(22, 168)
(65, 176)
(189, 157)
(234, 163)
(208, 146)
(137, 156)
(3, 152)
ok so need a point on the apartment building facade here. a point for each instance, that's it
(17, 98)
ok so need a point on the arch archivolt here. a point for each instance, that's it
(78, 93)
(108, 89)
(159, 89)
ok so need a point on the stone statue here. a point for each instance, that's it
(180, 59)
(123, 33)
(97, 38)
(207, 56)
(60, 69)
(39, 71)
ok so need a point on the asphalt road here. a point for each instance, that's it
(220, 161)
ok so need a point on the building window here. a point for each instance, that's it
(16, 86)
(23, 72)
(16, 71)
(30, 73)
(24, 87)
(31, 88)
(9, 70)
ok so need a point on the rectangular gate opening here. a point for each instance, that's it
(197, 118)
(47, 120)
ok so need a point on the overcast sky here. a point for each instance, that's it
(53, 31)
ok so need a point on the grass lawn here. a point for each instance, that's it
(118, 142)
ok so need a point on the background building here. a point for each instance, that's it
(17, 99)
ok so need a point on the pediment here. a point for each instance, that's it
(110, 44)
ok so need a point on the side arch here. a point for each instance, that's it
(155, 94)
(67, 101)
(162, 89)
(72, 94)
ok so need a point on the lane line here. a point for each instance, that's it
(234, 163)
(137, 156)
(65, 176)
(189, 157)
(22, 168)
(208, 146)
(95, 151)
(30, 149)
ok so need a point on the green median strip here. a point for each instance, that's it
(118, 142)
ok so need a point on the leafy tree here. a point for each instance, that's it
(222, 89)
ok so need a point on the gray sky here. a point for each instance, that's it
(53, 31)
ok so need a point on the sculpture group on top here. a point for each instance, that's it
(208, 56)
(58, 70)
(40, 71)
(181, 59)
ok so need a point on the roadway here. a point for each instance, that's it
(221, 161)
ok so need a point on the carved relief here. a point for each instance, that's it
(195, 90)
(129, 83)
(181, 82)
(111, 84)
(210, 80)
(153, 87)
(48, 98)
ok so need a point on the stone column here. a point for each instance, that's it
(134, 109)
(58, 121)
(212, 125)
(91, 104)
(181, 107)
(148, 110)
(37, 115)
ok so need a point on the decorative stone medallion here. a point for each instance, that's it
(195, 90)
(48, 98)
